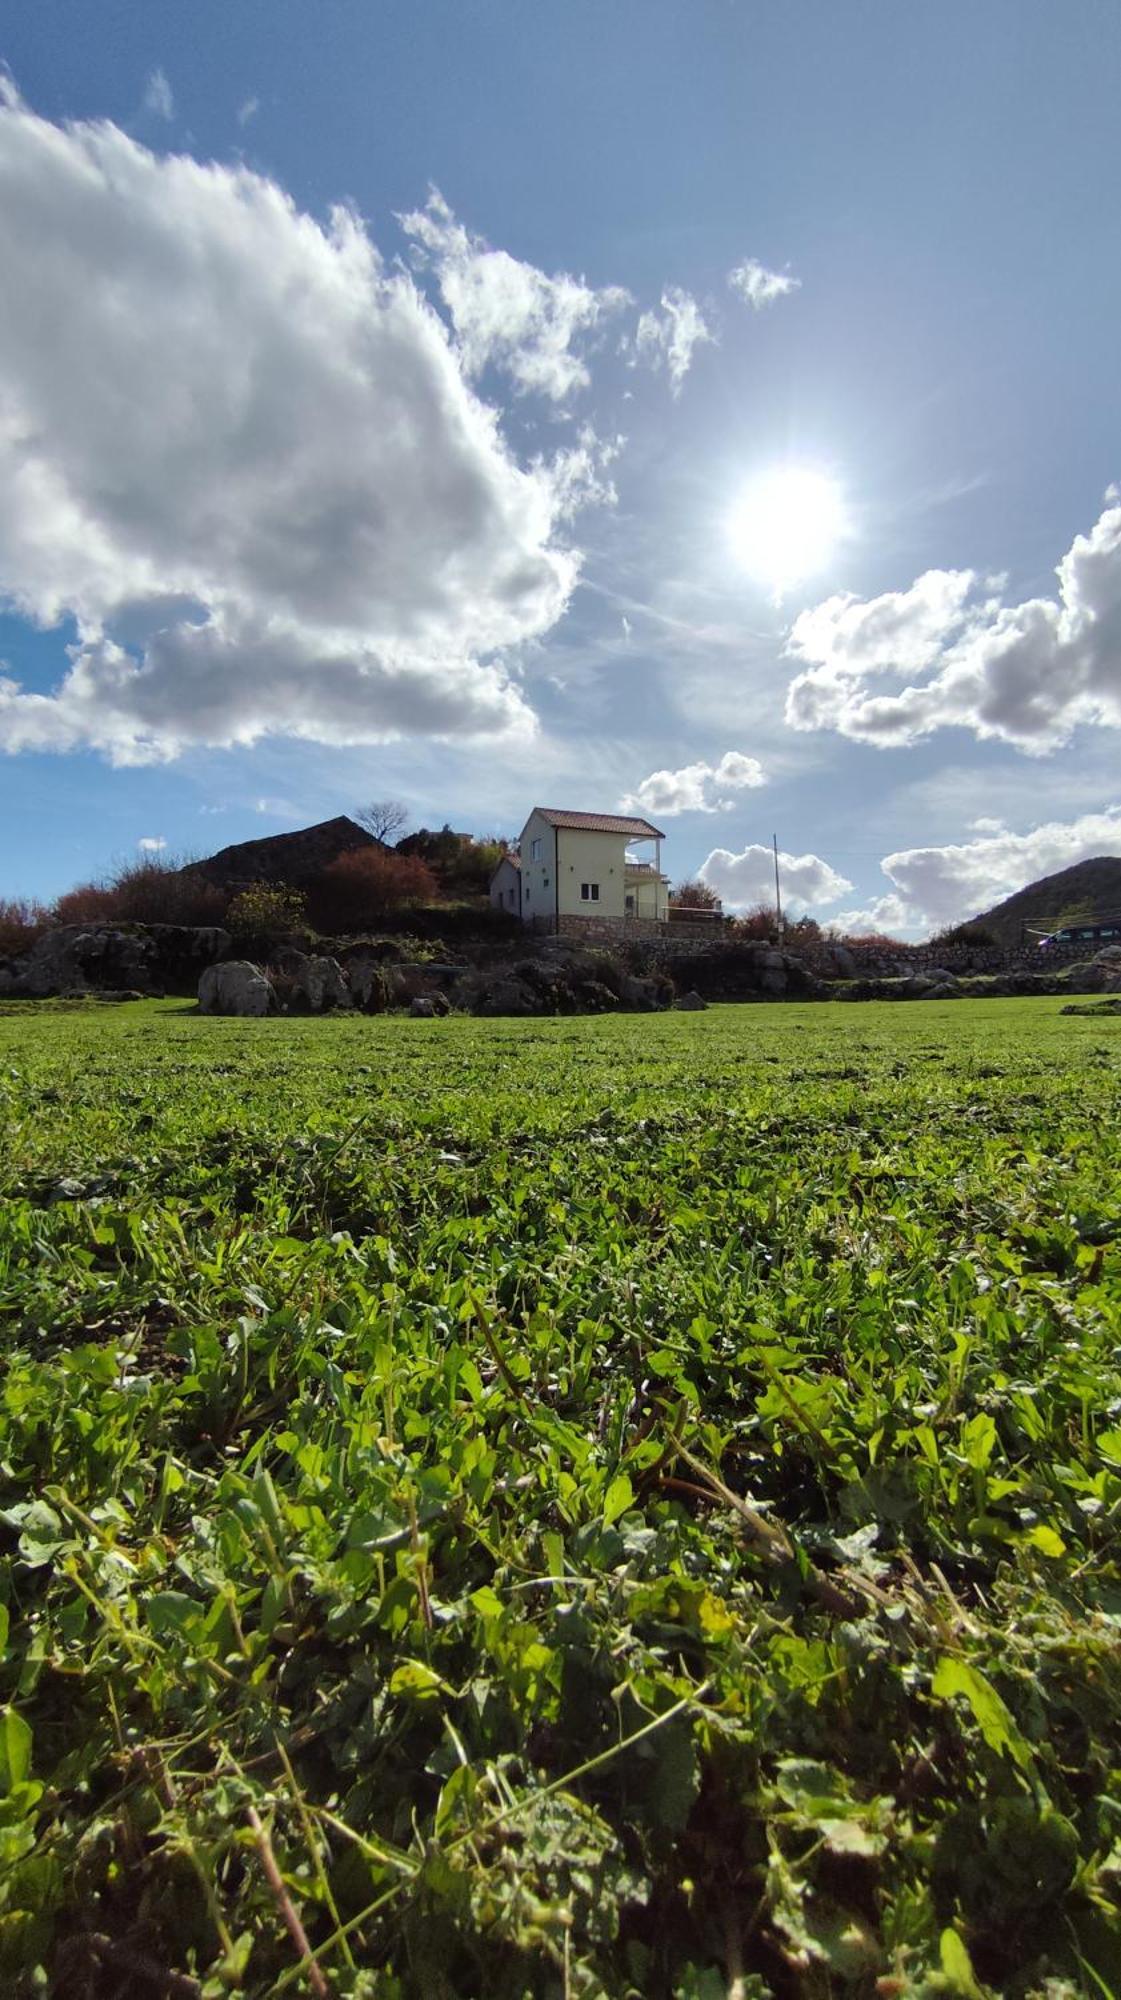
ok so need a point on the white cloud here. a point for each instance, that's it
(744, 879)
(248, 110)
(949, 883)
(696, 787)
(157, 96)
(667, 340)
(151, 843)
(761, 287)
(887, 916)
(243, 456)
(1027, 674)
(507, 314)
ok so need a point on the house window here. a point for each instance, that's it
(630, 904)
(589, 892)
(535, 850)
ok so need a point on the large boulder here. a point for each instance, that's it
(74, 958)
(237, 987)
(369, 984)
(691, 1003)
(646, 996)
(318, 986)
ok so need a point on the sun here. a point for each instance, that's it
(787, 525)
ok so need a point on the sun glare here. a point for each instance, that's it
(787, 525)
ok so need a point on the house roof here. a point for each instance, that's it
(634, 829)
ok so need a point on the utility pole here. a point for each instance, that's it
(778, 893)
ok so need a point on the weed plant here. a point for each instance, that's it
(615, 1507)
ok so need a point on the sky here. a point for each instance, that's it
(709, 410)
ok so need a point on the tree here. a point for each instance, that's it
(383, 818)
(694, 895)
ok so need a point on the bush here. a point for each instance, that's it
(266, 909)
(756, 926)
(155, 890)
(362, 888)
(694, 895)
(973, 934)
(21, 923)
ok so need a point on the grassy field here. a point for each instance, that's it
(581, 1507)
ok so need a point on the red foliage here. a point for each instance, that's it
(152, 891)
(362, 887)
(21, 923)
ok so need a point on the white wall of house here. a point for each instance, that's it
(538, 848)
(505, 889)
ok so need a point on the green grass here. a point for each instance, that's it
(581, 1507)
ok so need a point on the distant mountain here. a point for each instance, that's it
(296, 858)
(1087, 891)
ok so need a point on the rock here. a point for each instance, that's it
(369, 985)
(318, 986)
(237, 987)
(946, 989)
(691, 1003)
(423, 1007)
(646, 996)
(844, 963)
(505, 996)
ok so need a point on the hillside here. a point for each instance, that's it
(297, 858)
(1087, 890)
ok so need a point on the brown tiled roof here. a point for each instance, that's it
(635, 829)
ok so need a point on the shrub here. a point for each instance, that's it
(974, 934)
(266, 909)
(155, 890)
(694, 895)
(757, 925)
(361, 888)
(21, 923)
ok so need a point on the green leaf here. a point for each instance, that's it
(415, 1681)
(1109, 1444)
(618, 1498)
(953, 1677)
(957, 1965)
(15, 1750)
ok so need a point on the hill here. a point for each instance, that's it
(296, 858)
(1088, 890)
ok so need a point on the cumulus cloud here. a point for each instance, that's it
(744, 879)
(243, 456)
(884, 916)
(151, 843)
(666, 339)
(949, 883)
(696, 787)
(761, 287)
(508, 314)
(1027, 673)
(157, 96)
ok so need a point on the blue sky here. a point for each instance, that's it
(438, 498)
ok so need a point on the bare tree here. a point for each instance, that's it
(383, 818)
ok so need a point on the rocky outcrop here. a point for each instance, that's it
(746, 972)
(691, 1003)
(236, 988)
(564, 979)
(101, 958)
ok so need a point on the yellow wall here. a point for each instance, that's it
(591, 857)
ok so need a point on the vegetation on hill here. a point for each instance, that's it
(623, 1508)
(1078, 894)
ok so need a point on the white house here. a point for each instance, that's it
(506, 886)
(573, 865)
